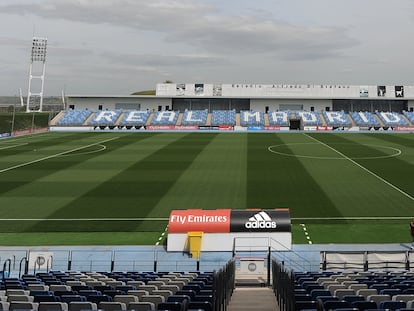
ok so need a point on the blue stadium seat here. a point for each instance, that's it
(194, 117)
(278, 118)
(366, 119)
(251, 118)
(171, 306)
(332, 304)
(336, 119)
(306, 305)
(410, 116)
(309, 118)
(204, 305)
(74, 117)
(392, 305)
(134, 118)
(364, 305)
(392, 119)
(223, 117)
(165, 118)
(105, 118)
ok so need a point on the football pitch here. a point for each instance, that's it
(119, 188)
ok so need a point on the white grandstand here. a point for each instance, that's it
(247, 107)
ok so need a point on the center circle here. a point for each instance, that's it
(273, 149)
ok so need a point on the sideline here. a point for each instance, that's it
(362, 167)
(87, 219)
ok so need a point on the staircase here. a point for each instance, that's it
(253, 298)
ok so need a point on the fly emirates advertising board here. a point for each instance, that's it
(222, 229)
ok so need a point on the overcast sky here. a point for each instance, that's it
(121, 46)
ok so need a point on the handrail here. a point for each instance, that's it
(271, 247)
(49, 261)
(348, 260)
(7, 261)
(26, 268)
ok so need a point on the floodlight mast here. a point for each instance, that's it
(38, 56)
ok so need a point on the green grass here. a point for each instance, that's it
(119, 188)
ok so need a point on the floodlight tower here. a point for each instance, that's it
(37, 72)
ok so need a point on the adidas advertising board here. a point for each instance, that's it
(227, 220)
(277, 220)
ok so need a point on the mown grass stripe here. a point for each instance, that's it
(215, 179)
(136, 189)
(278, 181)
(55, 155)
(363, 168)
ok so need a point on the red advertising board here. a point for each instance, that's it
(183, 221)
(272, 128)
(225, 128)
(404, 128)
(324, 128)
(171, 127)
(228, 220)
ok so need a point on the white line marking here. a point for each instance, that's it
(84, 219)
(306, 233)
(102, 148)
(166, 219)
(13, 146)
(54, 155)
(271, 149)
(354, 218)
(162, 235)
(364, 168)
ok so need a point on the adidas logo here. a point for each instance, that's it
(261, 220)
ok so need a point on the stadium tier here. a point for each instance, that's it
(336, 118)
(110, 291)
(392, 119)
(165, 118)
(135, 118)
(246, 118)
(223, 117)
(105, 118)
(279, 118)
(309, 118)
(344, 290)
(410, 116)
(195, 117)
(74, 117)
(251, 118)
(365, 119)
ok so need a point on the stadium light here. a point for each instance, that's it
(37, 56)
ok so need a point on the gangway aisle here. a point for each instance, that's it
(248, 298)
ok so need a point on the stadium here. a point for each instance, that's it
(173, 201)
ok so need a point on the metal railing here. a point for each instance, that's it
(106, 259)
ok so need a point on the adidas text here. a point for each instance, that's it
(260, 225)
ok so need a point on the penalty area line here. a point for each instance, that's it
(54, 155)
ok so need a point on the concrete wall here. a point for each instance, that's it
(277, 104)
(109, 103)
(410, 105)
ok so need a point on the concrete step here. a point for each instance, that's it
(253, 298)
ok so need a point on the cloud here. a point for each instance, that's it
(199, 26)
(171, 60)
